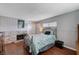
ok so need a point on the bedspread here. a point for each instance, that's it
(41, 40)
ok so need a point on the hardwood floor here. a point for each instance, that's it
(14, 49)
(18, 49)
(58, 51)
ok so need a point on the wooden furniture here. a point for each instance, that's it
(78, 42)
(1, 43)
(59, 43)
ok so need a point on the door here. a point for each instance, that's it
(1, 43)
(78, 42)
(78, 32)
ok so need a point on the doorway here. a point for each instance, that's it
(1, 44)
(78, 41)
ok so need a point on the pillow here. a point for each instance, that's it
(47, 32)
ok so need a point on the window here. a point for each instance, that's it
(52, 24)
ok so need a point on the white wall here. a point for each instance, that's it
(67, 30)
(7, 23)
(67, 27)
(11, 24)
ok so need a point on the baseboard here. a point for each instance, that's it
(70, 48)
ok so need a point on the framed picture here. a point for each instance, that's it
(21, 23)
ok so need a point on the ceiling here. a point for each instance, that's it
(36, 11)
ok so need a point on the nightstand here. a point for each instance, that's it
(59, 43)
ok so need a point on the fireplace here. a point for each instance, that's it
(20, 36)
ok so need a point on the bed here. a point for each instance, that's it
(40, 42)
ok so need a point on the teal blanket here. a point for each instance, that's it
(41, 40)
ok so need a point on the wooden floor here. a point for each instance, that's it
(58, 51)
(14, 49)
(18, 49)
